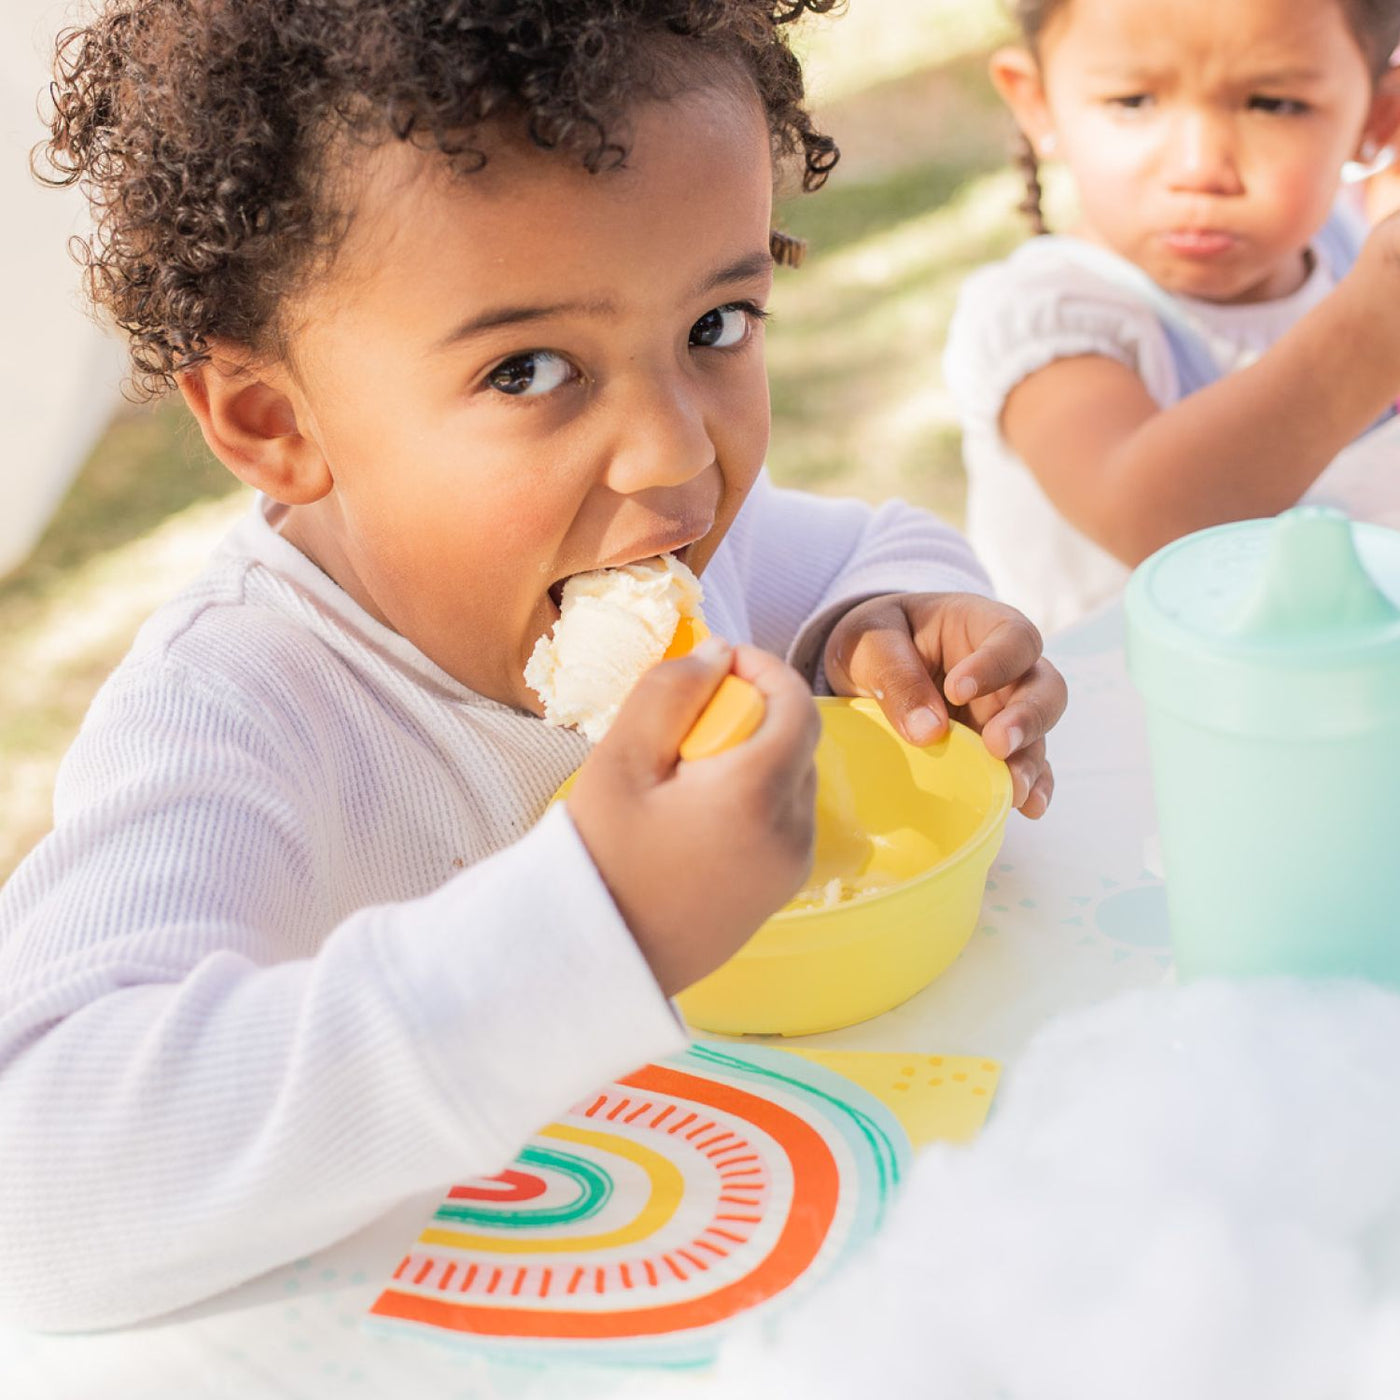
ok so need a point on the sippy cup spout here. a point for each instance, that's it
(1313, 581)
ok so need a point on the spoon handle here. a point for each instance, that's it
(735, 710)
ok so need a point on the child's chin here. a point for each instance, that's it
(1189, 278)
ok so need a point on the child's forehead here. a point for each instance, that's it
(696, 188)
(1256, 35)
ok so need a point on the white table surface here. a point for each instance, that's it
(1072, 915)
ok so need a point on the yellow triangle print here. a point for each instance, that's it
(937, 1098)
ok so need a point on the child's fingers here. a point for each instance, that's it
(1009, 650)
(885, 663)
(789, 716)
(1026, 769)
(773, 770)
(1039, 800)
(1029, 713)
(663, 705)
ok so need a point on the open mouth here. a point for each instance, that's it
(682, 553)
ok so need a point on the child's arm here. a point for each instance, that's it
(697, 856)
(1133, 476)
(178, 1115)
(204, 1074)
(804, 561)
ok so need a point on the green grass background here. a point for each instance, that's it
(923, 194)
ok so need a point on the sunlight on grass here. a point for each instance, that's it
(858, 395)
(874, 42)
(143, 517)
(58, 647)
(923, 194)
(151, 462)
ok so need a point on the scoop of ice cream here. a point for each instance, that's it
(613, 625)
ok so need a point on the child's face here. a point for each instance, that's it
(1206, 137)
(529, 371)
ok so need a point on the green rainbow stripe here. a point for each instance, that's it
(595, 1187)
(883, 1153)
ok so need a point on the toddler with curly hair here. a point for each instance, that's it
(472, 293)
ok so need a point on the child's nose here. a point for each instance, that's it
(661, 438)
(1203, 157)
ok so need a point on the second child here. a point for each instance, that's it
(1212, 333)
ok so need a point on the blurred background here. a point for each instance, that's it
(924, 193)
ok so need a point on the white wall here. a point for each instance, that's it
(59, 375)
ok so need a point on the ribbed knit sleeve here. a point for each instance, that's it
(207, 1067)
(804, 560)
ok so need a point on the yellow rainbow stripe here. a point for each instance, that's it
(667, 1187)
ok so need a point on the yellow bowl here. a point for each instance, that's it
(917, 831)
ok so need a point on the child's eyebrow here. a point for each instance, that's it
(750, 266)
(1283, 77)
(517, 315)
(1279, 77)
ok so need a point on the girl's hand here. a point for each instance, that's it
(697, 855)
(928, 656)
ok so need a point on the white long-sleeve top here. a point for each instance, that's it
(305, 941)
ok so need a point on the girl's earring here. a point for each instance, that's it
(1370, 161)
(1046, 146)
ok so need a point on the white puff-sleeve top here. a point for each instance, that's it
(1056, 298)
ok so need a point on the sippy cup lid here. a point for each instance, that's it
(1274, 628)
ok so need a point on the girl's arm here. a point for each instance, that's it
(1133, 476)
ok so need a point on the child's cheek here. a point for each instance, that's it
(1299, 197)
(1110, 160)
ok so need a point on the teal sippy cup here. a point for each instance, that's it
(1268, 655)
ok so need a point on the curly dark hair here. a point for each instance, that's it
(204, 131)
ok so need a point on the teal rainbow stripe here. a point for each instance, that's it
(595, 1187)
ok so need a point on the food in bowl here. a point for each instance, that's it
(905, 838)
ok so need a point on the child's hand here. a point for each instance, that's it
(698, 855)
(925, 656)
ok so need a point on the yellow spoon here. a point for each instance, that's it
(734, 711)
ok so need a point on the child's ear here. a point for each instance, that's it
(1383, 123)
(1016, 76)
(249, 419)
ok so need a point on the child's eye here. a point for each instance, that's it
(1131, 102)
(1277, 106)
(530, 375)
(725, 326)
